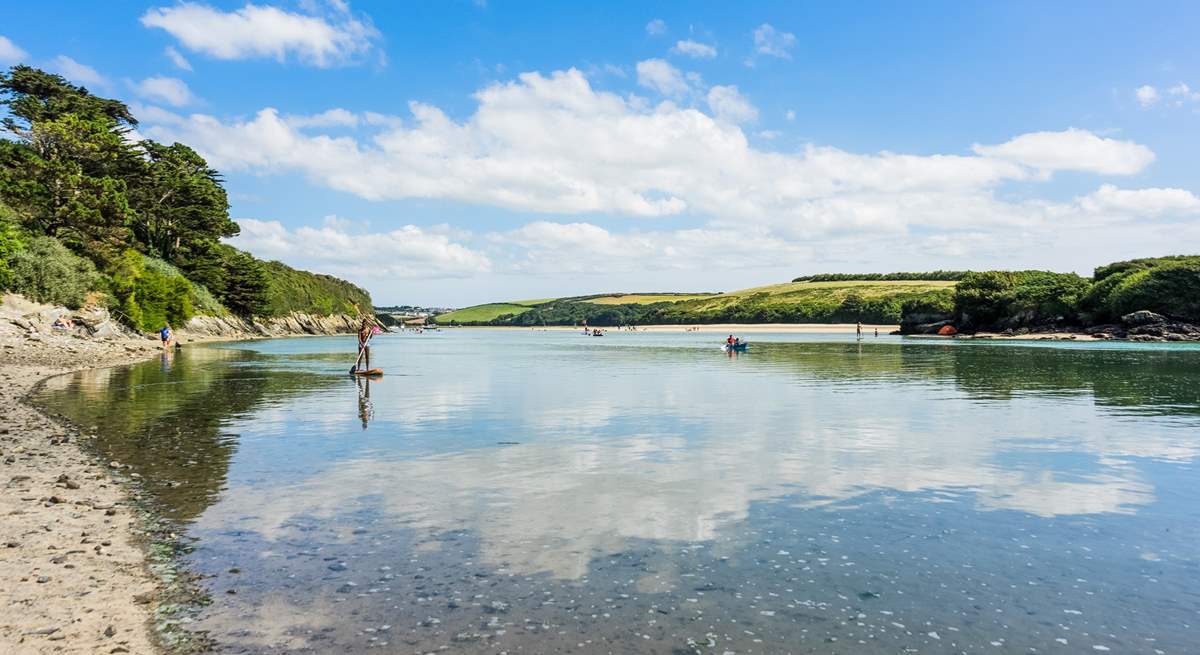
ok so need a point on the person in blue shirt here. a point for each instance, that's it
(166, 335)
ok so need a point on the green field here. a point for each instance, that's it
(827, 292)
(645, 298)
(482, 313)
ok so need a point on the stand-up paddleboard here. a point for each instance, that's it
(371, 372)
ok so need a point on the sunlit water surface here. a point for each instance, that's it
(546, 492)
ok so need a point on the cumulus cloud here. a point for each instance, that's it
(656, 27)
(406, 252)
(1110, 200)
(661, 76)
(336, 117)
(1147, 96)
(77, 72)
(546, 247)
(770, 41)
(178, 59)
(728, 104)
(1072, 150)
(553, 144)
(168, 90)
(11, 53)
(694, 49)
(258, 31)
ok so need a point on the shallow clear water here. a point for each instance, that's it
(546, 492)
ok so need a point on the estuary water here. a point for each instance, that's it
(547, 492)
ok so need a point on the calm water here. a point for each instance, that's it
(535, 492)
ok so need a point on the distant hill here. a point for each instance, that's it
(879, 301)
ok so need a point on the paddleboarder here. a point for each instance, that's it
(364, 347)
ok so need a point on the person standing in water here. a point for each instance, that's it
(166, 335)
(364, 335)
(858, 328)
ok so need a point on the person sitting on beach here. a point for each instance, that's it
(63, 323)
(166, 334)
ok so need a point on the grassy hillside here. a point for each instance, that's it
(644, 298)
(480, 314)
(791, 302)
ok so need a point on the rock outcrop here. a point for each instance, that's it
(31, 320)
(234, 326)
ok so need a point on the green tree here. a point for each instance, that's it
(181, 208)
(64, 171)
(246, 283)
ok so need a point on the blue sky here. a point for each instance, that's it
(460, 152)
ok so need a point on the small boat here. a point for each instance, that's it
(739, 347)
(371, 372)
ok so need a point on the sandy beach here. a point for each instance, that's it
(726, 328)
(74, 575)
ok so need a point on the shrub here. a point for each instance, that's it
(1166, 285)
(997, 299)
(148, 295)
(201, 299)
(1172, 289)
(46, 271)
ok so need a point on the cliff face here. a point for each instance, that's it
(295, 323)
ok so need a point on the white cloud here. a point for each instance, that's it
(661, 76)
(556, 145)
(176, 58)
(1182, 93)
(694, 49)
(1147, 96)
(266, 31)
(407, 252)
(152, 114)
(546, 247)
(728, 104)
(77, 72)
(169, 90)
(772, 42)
(1072, 150)
(336, 117)
(790, 115)
(656, 27)
(11, 53)
(1110, 200)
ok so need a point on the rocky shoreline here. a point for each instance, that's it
(1140, 326)
(82, 568)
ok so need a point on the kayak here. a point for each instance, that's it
(740, 347)
(372, 372)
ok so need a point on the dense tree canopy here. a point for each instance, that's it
(150, 216)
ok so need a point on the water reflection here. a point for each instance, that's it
(365, 409)
(535, 492)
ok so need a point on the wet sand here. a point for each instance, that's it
(73, 576)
